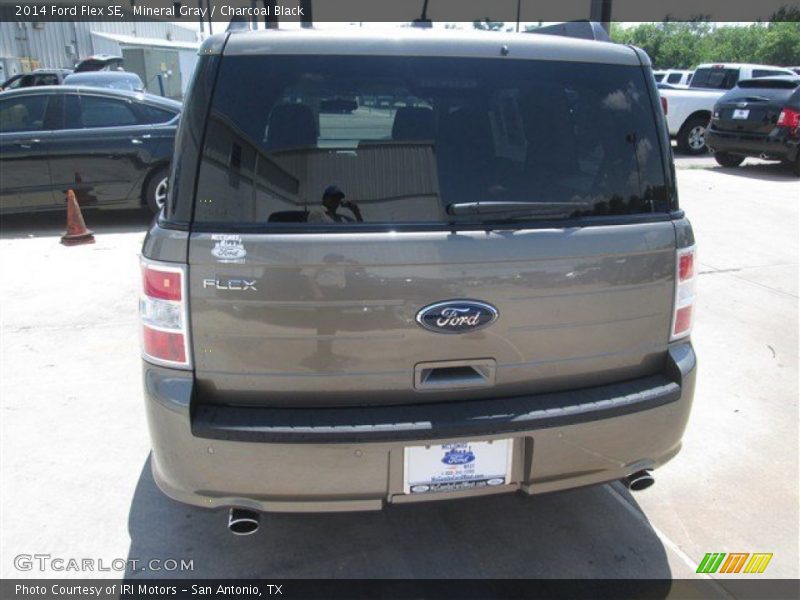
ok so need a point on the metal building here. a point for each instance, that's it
(25, 46)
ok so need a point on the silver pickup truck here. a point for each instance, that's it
(417, 267)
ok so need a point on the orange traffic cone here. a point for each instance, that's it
(76, 228)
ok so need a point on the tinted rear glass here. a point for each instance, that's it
(770, 94)
(767, 72)
(782, 84)
(152, 115)
(46, 79)
(103, 112)
(714, 78)
(335, 139)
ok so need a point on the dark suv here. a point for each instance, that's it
(760, 118)
(480, 283)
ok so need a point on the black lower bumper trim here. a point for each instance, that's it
(429, 421)
(752, 145)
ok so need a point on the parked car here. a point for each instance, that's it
(690, 109)
(36, 78)
(759, 117)
(113, 148)
(115, 80)
(464, 293)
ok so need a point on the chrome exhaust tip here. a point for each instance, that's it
(641, 480)
(242, 521)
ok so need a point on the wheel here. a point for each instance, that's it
(156, 192)
(728, 160)
(796, 165)
(692, 136)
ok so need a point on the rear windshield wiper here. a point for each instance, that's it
(533, 209)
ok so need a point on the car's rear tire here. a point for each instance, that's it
(155, 194)
(692, 136)
(728, 160)
(796, 165)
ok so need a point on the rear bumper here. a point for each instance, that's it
(777, 147)
(352, 459)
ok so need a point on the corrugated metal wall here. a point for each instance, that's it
(48, 42)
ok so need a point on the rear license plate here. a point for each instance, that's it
(740, 113)
(458, 466)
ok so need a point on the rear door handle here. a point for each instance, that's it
(136, 141)
(454, 374)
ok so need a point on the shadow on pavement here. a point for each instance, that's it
(763, 171)
(49, 224)
(585, 533)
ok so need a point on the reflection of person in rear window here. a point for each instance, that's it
(333, 200)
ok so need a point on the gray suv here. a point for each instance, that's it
(415, 268)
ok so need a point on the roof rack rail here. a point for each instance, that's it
(586, 30)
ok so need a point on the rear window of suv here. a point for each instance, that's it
(402, 138)
(715, 78)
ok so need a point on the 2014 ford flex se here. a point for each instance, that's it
(417, 267)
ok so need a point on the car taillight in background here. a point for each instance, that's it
(163, 314)
(790, 119)
(685, 275)
(664, 104)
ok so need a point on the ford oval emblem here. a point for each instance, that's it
(457, 316)
(458, 456)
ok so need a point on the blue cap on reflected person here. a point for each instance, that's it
(334, 191)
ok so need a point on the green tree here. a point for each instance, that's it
(682, 43)
(780, 44)
(647, 36)
(674, 44)
(732, 44)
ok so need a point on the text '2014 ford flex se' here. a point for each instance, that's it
(414, 268)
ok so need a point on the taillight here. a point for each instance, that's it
(789, 118)
(685, 275)
(664, 104)
(163, 314)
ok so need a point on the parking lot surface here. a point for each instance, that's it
(75, 476)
